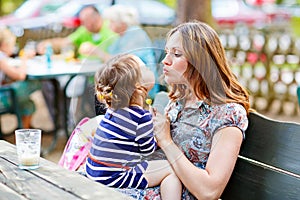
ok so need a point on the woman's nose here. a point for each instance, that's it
(166, 60)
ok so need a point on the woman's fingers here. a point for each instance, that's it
(161, 125)
(152, 111)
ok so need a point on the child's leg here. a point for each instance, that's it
(160, 172)
(26, 121)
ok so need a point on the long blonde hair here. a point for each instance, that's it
(208, 71)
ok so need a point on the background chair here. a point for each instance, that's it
(9, 105)
(78, 101)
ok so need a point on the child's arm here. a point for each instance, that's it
(15, 73)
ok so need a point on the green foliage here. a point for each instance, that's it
(295, 21)
(170, 3)
(289, 2)
(8, 6)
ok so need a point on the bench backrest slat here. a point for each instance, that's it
(273, 142)
(269, 163)
(252, 182)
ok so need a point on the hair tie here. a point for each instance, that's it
(100, 96)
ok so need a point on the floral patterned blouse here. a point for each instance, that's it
(192, 129)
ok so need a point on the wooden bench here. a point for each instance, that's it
(268, 166)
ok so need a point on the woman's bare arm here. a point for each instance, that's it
(208, 183)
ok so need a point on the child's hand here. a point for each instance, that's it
(27, 54)
(148, 78)
(86, 48)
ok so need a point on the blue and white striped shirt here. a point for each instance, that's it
(122, 138)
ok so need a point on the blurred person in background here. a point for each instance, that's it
(93, 30)
(124, 20)
(16, 75)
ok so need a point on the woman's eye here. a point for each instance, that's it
(176, 54)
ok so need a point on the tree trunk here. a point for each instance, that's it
(200, 10)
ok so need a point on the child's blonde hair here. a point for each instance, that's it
(6, 36)
(118, 82)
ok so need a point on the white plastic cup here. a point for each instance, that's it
(28, 143)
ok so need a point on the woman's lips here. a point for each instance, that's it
(165, 71)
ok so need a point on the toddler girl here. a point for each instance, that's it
(126, 132)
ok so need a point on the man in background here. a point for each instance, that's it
(93, 30)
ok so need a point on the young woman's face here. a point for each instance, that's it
(175, 64)
(148, 78)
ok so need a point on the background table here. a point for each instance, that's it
(38, 70)
(50, 181)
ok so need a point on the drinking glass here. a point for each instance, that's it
(28, 143)
(68, 53)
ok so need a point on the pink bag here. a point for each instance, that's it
(77, 147)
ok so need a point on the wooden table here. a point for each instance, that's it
(38, 70)
(49, 181)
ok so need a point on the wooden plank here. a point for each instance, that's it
(273, 142)
(28, 184)
(8, 193)
(250, 181)
(70, 182)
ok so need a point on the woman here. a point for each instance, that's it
(206, 117)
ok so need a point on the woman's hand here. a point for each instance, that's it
(161, 129)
